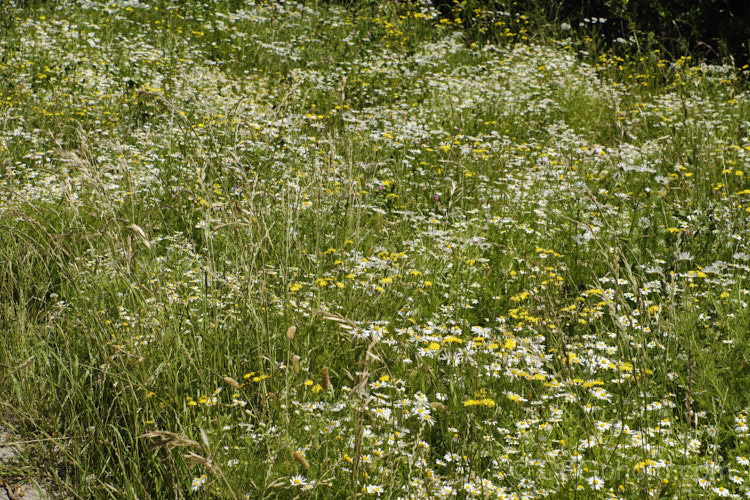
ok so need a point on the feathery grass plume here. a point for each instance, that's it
(342, 322)
(295, 365)
(324, 379)
(232, 382)
(170, 440)
(301, 459)
(290, 332)
(141, 234)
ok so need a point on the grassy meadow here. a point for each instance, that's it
(268, 249)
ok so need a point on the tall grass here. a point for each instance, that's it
(261, 250)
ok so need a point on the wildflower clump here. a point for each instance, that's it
(360, 250)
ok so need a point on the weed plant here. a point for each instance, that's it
(282, 250)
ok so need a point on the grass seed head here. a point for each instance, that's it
(324, 379)
(232, 382)
(438, 406)
(302, 460)
(295, 365)
(290, 332)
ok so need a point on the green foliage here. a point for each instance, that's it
(515, 257)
